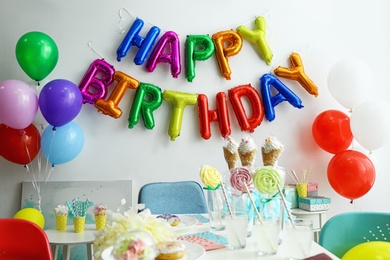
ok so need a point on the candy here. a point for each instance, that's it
(61, 210)
(100, 210)
(210, 176)
(266, 180)
(239, 177)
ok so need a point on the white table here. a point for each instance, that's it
(69, 239)
(318, 218)
(249, 252)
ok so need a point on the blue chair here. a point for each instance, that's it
(182, 197)
(347, 230)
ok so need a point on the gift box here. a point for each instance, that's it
(318, 203)
(311, 186)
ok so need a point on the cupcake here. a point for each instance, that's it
(270, 150)
(247, 151)
(230, 152)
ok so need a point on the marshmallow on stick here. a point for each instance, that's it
(271, 150)
(210, 177)
(247, 151)
(230, 152)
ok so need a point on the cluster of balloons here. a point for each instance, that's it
(59, 101)
(351, 173)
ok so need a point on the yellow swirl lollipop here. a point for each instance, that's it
(210, 176)
(266, 180)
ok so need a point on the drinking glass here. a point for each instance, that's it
(298, 238)
(236, 229)
(267, 234)
(216, 206)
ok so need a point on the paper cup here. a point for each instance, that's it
(302, 190)
(100, 222)
(79, 224)
(61, 222)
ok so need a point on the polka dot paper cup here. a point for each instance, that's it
(61, 222)
(302, 190)
(100, 222)
(79, 224)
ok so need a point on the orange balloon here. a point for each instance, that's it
(110, 106)
(297, 72)
(233, 42)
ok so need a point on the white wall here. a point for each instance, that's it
(323, 32)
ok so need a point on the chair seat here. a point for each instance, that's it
(182, 197)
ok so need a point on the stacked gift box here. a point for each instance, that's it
(312, 202)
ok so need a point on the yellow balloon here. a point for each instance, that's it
(32, 215)
(374, 250)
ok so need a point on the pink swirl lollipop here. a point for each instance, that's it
(239, 177)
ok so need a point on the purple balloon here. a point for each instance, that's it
(60, 102)
(18, 104)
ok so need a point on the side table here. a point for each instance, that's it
(68, 239)
(318, 218)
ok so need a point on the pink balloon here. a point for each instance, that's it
(170, 39)
(18, 104)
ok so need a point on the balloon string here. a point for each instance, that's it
(90, 46)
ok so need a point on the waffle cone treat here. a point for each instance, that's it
(271, 151)
(230, 152)
(247, 151)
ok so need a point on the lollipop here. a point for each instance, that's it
(210, 176)
(266, 180)
(240, 177)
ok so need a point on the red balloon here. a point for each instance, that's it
(331, 131)
(19, 146)
(351, 174)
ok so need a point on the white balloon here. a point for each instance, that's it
(349, 82)
(370, 124)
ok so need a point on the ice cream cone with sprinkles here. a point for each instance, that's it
(271, 150)
(247, 151)
(230, 152)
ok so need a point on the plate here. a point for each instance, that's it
(193, 252)
(185, 221)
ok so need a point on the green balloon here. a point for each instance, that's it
(37, 54)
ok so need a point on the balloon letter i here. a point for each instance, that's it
(133, 39)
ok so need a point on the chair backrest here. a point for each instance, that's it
(344, 231)
(23, 239)
(182, 197)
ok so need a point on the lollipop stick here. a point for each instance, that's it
(253, 204)
(285, 206)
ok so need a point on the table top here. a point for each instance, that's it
(306, 212)
(247, 253)
(69, 237)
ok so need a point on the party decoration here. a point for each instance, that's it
(241, 179)
(169, 39)
(210, 176)
(147, 99)
(198, 47)
(207, 116)
(110, 106)
(266, 180)
(18, 104)
(370, 124)
(63, 144)
(258, 37)
(60, 101)
(297, 72)
(93, 85)
(285, 94)
(350, 82)
(133, 38)
(227, 44)
(351, 174)
(31, 214)
(37, 54)
(235, 96)
(369, 250)
(19, 146)
(331, 131)
(179, 101)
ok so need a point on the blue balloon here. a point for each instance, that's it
(60, 101)
(133, 39)
(269, 101)
(62, 144)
